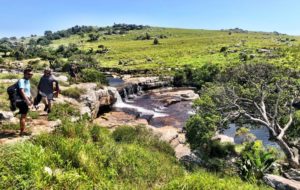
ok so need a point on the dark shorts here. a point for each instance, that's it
(23, 107)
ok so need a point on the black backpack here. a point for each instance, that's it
(13, 95)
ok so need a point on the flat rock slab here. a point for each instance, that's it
(116, 118)
(279, 182)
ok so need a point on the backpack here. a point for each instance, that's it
(13, 95)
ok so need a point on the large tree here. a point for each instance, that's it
(262, 95)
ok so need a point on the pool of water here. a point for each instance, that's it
(261, 133)
(176, 114)
(114, 82)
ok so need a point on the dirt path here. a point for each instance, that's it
(35, 126)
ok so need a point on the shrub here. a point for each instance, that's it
(9, 126)
(9, 76)
(33, 114)
(73, 92)
(1, 60)
(155, 41)
(207, 181)
(255, 161)
(142, 136)
(63, 111)
(92, 75)
(220, 150)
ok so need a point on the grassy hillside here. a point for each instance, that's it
(86, 156)
(187, 47)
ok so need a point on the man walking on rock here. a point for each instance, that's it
(46, 90)
(23, 102)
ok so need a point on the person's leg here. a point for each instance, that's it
(22, 123)
(23, 111)
(49, 106)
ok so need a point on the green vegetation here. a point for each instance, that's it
(73, 92)
(92, 75)
(84, 156)
(4, 102)
(177, 48)
(247, 95)
(63, 111)
(256, 161)
(206, 181)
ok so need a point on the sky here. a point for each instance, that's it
(25, 17)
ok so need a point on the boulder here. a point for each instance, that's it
(61, 78)
(6, 116)
(293, 174)
(281, 183)
(223, 138)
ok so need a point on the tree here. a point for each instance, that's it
(5, 47)
(48, 33)
(261, 94)
(93, 37)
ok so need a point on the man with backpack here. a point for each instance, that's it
(23, 98)
(45, 90)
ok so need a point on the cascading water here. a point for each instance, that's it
(142, 111)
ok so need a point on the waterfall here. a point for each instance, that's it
(122, 105)
(125, 93)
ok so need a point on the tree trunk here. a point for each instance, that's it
(292, 154)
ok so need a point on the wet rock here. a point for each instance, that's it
(281, 183)
(171, 101)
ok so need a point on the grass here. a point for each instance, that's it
(208, 181)
(86, 156)
(9, 76)
(4, 102)
(185, 47)
(73, 92)
(10, 126)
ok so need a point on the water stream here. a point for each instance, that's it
(147, 105)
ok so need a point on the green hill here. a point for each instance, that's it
(186, 47)
(131, 47)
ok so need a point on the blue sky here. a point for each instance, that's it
(25, 17)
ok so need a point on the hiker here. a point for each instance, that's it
(73, 72)
(23, 101)
(46, 91)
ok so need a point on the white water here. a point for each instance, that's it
(120, 104)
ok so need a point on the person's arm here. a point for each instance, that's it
(22, 92)
(56, 88)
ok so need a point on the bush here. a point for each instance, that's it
(255, 161)
(9, 76)
(208, 181)
(220, 150)
(73, 92)
(63, 112)
(25, 169)
(142, 136)
(92, 75)
(155, 41)
(108, 165)
(1, 60)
